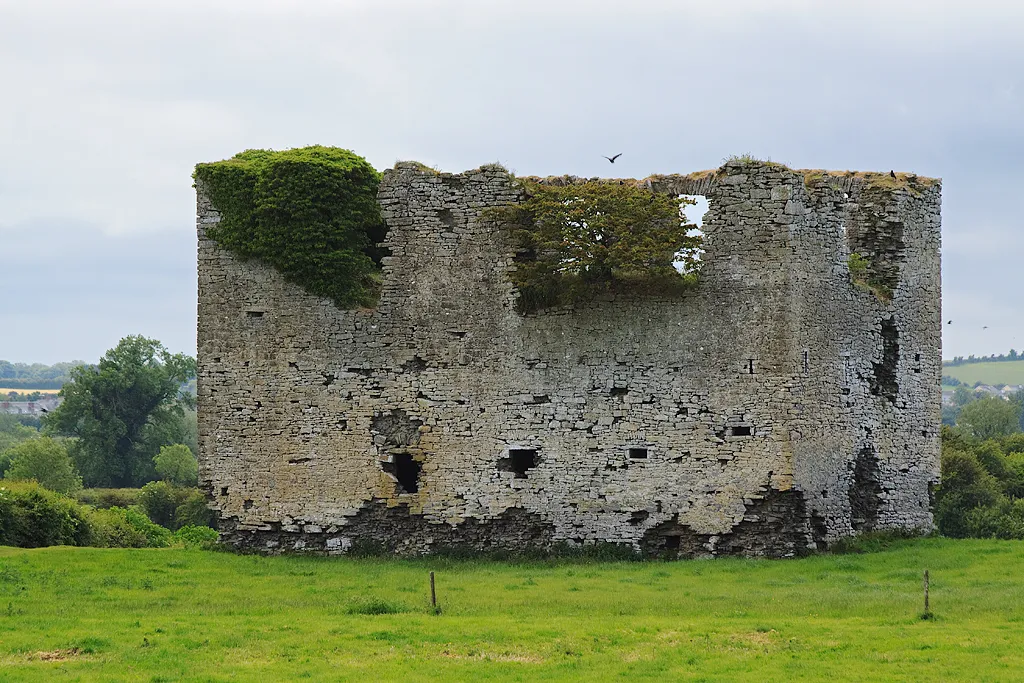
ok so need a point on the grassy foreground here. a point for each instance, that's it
(85, 614)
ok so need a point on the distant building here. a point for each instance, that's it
(37, 408)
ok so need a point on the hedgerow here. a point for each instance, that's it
(311, 213)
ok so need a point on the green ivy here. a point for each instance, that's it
(580, 241)
(311, 213)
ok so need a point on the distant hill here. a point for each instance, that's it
(994, 372)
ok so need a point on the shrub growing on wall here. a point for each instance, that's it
(311, 213)
(578, 241)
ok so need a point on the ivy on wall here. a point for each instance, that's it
(311, 213)
(583, 240)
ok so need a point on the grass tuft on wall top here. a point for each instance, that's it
(311, 213)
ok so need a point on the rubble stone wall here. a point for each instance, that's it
(775, 408)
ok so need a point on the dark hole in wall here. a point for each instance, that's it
(619, 391)
(883, 377)
(638, 517)
(865, 491)
(740, 430)
(414, 364)
(750, 366)
(223, 490)
(254, 314)
(247, 504)
(406, 470)
(638, 453)
(672, 542)
(519, 460)
(446, 217)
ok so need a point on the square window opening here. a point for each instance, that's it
(519, 461)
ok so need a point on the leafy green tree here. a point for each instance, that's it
(12, 432)
(966, 486)
(177, 464)
(47, 461)
(123, 409)
(990, 418)
(962, 395)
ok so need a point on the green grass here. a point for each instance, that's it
(83, 614)
(1005, 372)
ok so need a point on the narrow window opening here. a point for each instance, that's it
(254, 314)
(519, 460)
(917, 357)
(750, 366)
(740, 430)
(692, 208)
(223, 490)
(638, 453)
(405, 470)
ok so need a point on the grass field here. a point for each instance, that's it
(1007, 372)
(82, 614)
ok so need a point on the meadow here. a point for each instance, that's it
(1005, 372)
(85, 614)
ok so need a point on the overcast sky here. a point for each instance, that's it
(107, 106)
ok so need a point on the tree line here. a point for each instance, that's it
(35, 375)
(960, 360)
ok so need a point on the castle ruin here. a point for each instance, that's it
(780, 405)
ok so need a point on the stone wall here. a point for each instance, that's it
(775, 408)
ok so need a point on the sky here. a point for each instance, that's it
(106, 106)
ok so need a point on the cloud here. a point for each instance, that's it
(110, 104)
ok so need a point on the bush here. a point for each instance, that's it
(193, 511)
(46, 461)
(108, 498)
(174, 506)
(312, 213)
(118, 527)
(33, 517)
(196, 536)
(160, 500)
(965, 486)
(177, 465)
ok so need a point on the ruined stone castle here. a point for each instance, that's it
(783, 403)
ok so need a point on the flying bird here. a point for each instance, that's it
(612, 159)
(948, 322)
(893, 174)
(984, 327)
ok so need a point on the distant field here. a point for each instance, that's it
(1007, 372)
(21, 390)
(87, 614)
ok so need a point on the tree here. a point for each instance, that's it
(123, 410)
(177, 465)
(990, 418)
(45, 460)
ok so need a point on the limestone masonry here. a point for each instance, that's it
(774, 409)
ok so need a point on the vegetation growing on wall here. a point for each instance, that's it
(311, 213)
(583, 240)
